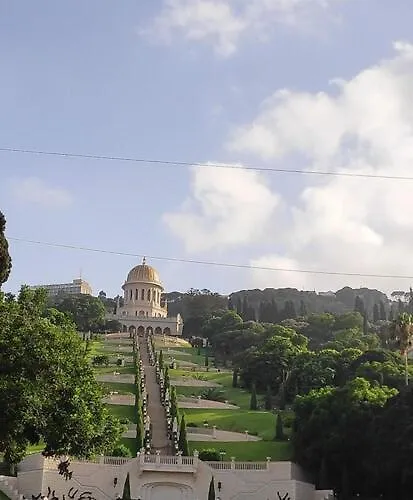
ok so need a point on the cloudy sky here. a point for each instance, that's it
(321, 85)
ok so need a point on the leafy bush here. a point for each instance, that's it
(209, 455)
(213, 394)
(121, 451)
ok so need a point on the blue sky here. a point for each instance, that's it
(273, 83)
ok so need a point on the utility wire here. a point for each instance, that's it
(209, 263)
(158, 162)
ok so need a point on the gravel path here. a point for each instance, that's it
(225, 436)
(193, 382)
(184, 402)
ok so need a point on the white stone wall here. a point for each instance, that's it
(166, 478)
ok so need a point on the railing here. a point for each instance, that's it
(246, 466)
(115, 460)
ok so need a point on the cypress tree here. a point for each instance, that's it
(139, 426)
(182, 440)
(206, 360)
(279, 428)
(253, 400)
(359, 305)
(160, 359)
(268, 399)
(5, 260)
(211, 491)
(303, 308)
(365, 324)
(383, 315)
(376, 313)
(235, 378)
(126, 488)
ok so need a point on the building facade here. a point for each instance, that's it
(78, 286)
(143, 311)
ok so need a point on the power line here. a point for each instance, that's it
(158, 162)
(209, 263)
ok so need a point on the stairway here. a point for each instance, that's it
(156, 411)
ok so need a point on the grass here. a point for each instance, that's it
(259, 423)
(128, 368)
(118, 387)
(253, 451)
(185, 354)
(123, 411)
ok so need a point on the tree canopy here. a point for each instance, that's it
(5, 260)
(87, 312)
(48, 393)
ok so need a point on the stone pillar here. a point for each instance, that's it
(196, 458)
(158, 457)
(214, 431)
(232, 463)
(179, 457)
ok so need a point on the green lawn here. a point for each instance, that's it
(128, 368)
(185, 354)
(123, 411)
(259, 423)
(118, 387)
(253, 451)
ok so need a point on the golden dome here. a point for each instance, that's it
(143, 274)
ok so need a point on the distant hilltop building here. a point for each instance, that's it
(78, 286)
(142, 311)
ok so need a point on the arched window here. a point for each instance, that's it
(130, 294)
(141, 313)
(142, 294)
(136, 294)
(149, 295)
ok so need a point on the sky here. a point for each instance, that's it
(320, 85)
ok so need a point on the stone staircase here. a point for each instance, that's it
(8, 485)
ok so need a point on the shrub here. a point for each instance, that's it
(121, 451)
(209, 455)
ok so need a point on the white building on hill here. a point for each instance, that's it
(143, 311)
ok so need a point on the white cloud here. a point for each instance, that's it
(32, 190)
(228, 207)
(222, 23)
(363, 125)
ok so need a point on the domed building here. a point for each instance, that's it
(142, 311)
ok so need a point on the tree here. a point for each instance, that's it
(404, 335)
(126, 489)
(211, 491)
(235, 378)
(365, 324)
(87, 312)
(268, 399)
(182, 440)
(359, 305)
(48, 392)
(376, 313)
(253, 400)
(279, 428)
(336, 424)
(206, 360)
(383, 315)
(5, 260)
